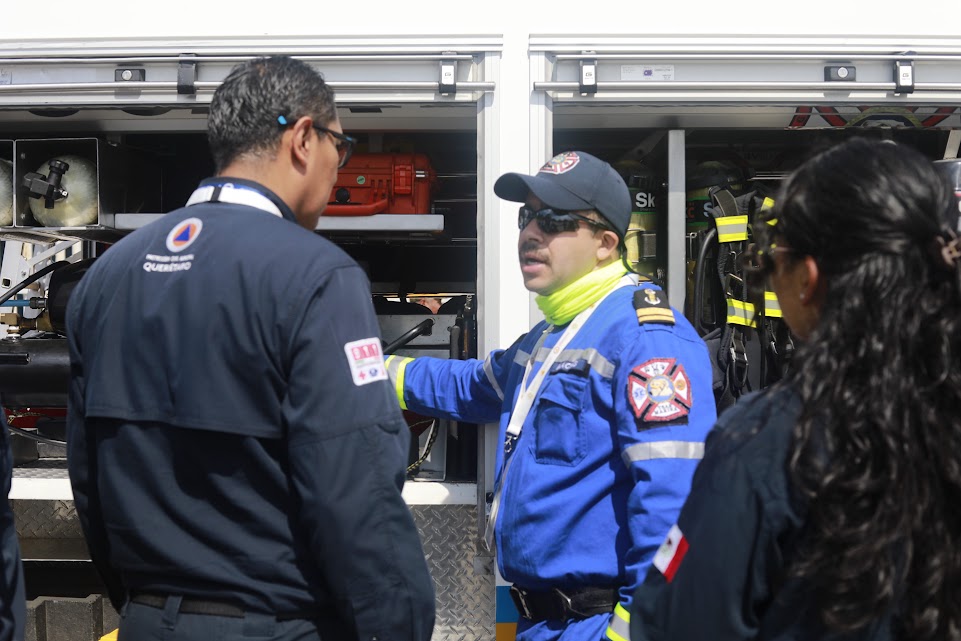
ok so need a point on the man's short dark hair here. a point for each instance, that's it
(245, 109)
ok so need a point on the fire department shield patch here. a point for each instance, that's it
(659, 391)
(561, 163)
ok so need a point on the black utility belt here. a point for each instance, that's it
(560, 605)
(190, 605)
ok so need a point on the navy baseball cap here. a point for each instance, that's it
(573, 181)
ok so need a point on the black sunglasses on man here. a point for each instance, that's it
(343, 143)
(554, 221)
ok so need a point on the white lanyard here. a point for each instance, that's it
(528, 392)
(229, 193)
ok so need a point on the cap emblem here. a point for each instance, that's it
(561, 163)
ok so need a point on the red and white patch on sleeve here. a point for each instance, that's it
(669, 556)
(366, 361)
(659, 391)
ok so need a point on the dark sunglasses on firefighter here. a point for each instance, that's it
(343, 143)
(554, 221)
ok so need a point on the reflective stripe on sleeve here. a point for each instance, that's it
(597, 362)
(396, 366)
(619, 629)
(521, 358)
(489, 370)
(662, 449)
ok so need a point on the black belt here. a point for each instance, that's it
(190, 605)
(561, 605)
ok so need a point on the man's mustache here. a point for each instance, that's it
(528, 246)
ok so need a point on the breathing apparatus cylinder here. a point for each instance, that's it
(645, 247)
(6, 193)
(80, 206)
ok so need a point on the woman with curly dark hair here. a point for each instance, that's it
(829, 505)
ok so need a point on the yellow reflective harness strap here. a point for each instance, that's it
(740, 312)
(772, 307)
(731, 229)
(619, 629)
(396, 366)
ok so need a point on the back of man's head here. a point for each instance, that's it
(249, 110)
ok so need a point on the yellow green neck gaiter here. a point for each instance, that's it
(562, 306)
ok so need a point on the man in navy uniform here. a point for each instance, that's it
(235, 448)
(603, 408)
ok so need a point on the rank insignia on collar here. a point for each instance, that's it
(659, 391)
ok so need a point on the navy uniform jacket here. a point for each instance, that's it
(12, 606)
(232, 432)
(605, 457)
(723, 574)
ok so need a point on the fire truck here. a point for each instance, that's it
(683, 107)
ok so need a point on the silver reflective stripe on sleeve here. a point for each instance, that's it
(597, 362)
(619, 628)
(662, 449)
(393, 365)
(396, 367)
(521, 358)
(489, 370)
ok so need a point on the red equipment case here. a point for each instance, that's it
(383, 183)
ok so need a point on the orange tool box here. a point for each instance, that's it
(382, 183)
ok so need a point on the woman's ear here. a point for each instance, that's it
(812, 285)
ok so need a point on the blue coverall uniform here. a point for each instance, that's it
(724, 574)
(605, 456)
(233, 436)
(12, 606)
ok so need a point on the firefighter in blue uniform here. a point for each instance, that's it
(603, 408)
(12, 606)
(235, 448)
